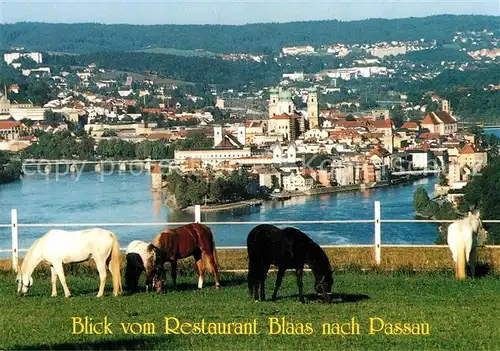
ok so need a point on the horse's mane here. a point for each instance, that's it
(29, 254)
(166, 242)
(316, 257)
(317, 260)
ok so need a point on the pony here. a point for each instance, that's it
(462, 241)
(141, 257)
(287, 248)
(193, 239)
(59, 246)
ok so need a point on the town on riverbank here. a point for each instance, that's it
(303, 120)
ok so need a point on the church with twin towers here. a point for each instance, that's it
(285, 120)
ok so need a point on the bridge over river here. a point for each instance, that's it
(32, 166)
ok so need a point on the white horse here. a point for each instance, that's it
(141, 257)
(462, 241)
(59, 246)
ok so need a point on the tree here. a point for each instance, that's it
(195, 140)
(218, 189)
(109, 133)
(493, 146)
(26, 62)
(420, 199)
(478, 133)
(53, 117)
(4, 157)
(397, 116)
(483, 194)
(350, 118)
(443, 180)
(27, 122)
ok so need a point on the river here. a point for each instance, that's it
(127, 198)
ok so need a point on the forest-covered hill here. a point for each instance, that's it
(258, 38)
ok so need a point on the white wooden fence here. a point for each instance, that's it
(377, 221)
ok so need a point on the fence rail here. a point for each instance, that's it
(377, 221)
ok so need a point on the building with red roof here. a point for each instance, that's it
(440, 122)
(468, 161)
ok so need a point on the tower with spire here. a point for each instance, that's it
(312, 108)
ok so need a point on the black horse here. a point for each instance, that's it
(287, 248)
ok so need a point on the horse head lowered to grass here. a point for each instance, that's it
(192, 239)
(462, 241)
(57, 247)
(141, 257)
(287, 248)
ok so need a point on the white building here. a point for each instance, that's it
(355, 72)
(296, 76)
(347, 173)
(284, 154)
(11, 57)
(298, 50)
(316, 133)
(18, 112)
(388, 51)
(419, 158)
(211, 157)
(36, 71)
(222, 137)
(297, 182)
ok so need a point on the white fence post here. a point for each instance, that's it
(197, 213)
(15, 239)
(377, 232)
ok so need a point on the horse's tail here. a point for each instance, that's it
(203, 233)
(115, 267)
(253, 264)
(215, 251)
(252, 274)
(460, 264)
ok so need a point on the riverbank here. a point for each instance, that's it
(225, 207)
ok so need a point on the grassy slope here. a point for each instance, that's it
(461, 314)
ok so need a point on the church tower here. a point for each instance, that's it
(273, 102)
(445, 106)
(312, 108)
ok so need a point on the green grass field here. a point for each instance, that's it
(460, 314)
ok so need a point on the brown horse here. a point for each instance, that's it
(189, 240)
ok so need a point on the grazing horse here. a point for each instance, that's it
(141, 257)
(60, 246)
(287, 248)
(193, 239)
(462, 241)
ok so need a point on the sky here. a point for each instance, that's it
(231, 12)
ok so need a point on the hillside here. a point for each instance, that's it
(258, 38)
